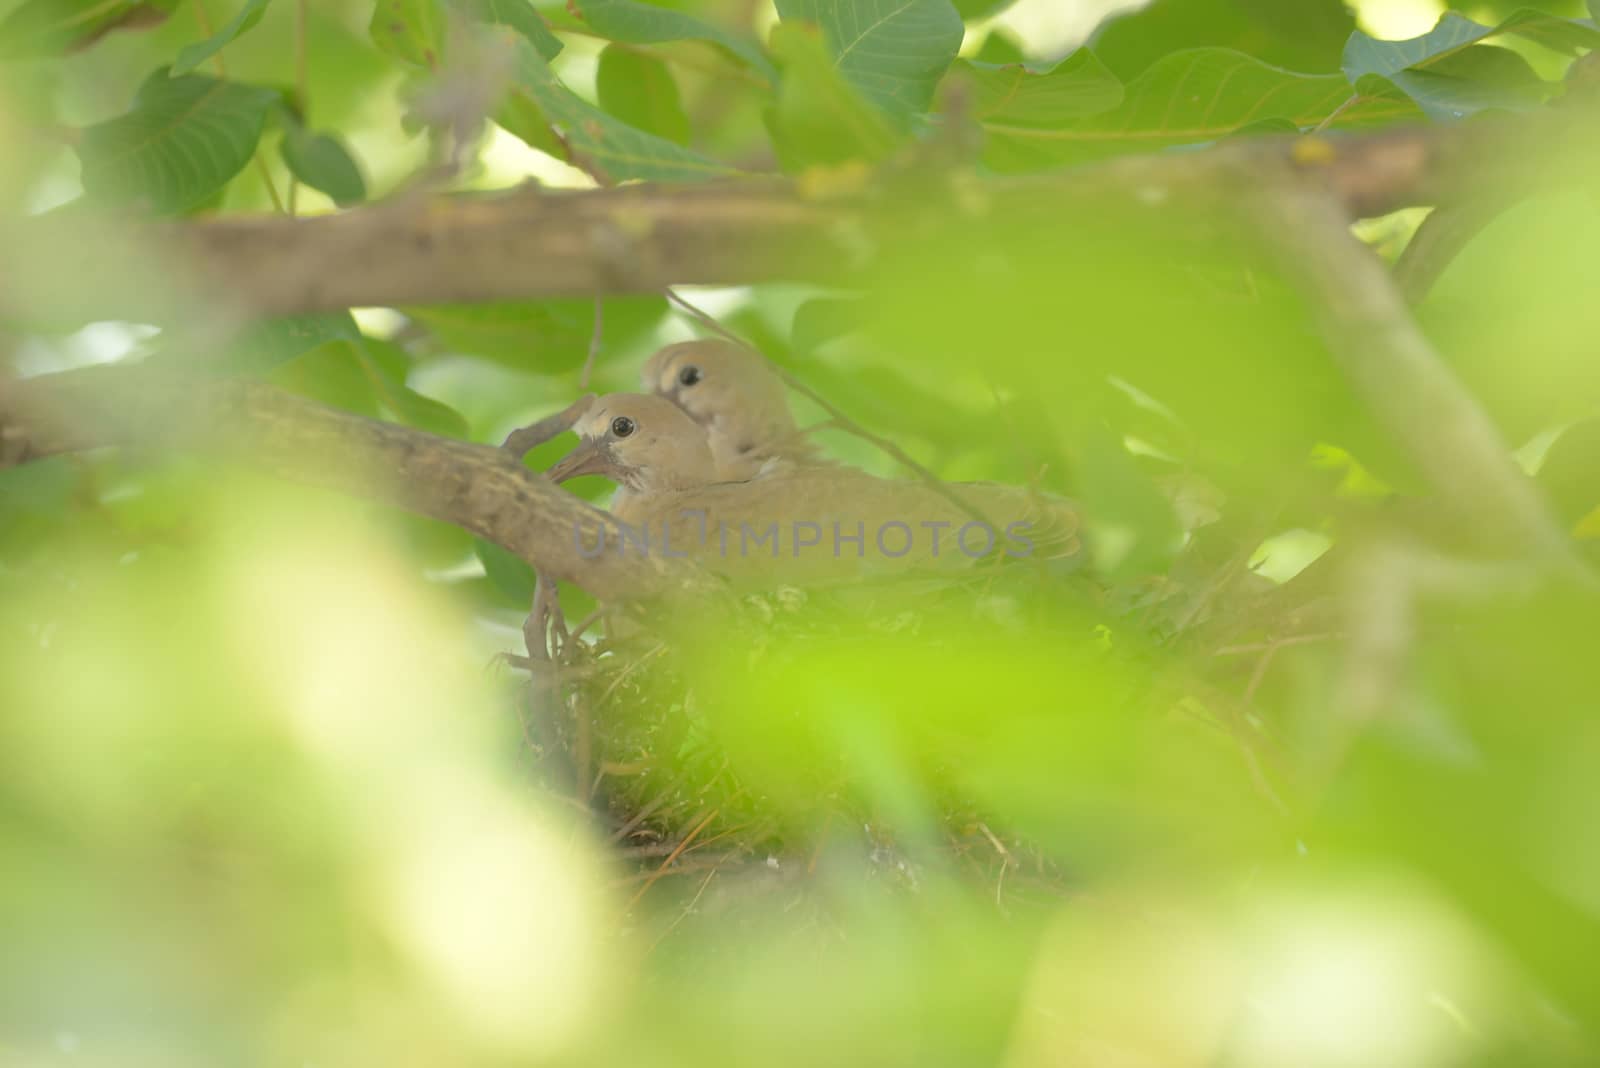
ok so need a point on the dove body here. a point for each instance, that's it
(797, 521)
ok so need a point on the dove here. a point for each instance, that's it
(744, 407)
(793, 522)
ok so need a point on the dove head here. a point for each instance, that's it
(644, 444)
(726, 388)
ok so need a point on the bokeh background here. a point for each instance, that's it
(1285, 771)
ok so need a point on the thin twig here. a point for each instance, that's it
(594, 342)
(674, 855)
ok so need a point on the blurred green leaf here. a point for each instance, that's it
(818, 118)
(1133, 529)
(631, 22)
(599, 141)
(520, 16)
(973, 10)
(44, 27)
(1570, 474)
(196, 54)
(639, 90)
(816, 322)
(267, 343)
(1306, 35)
(412, 31)
(321, 161)
(545, 335)
(1520, 288)
(509, 574)
(41, 487)
(386, 365)
(183, 141)
(892, 51)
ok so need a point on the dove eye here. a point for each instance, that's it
(688, 376)
(622, 426)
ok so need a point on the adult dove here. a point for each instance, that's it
(797, 521)
(744, 407)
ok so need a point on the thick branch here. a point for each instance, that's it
(644, 238)
(480, 489)
(1416, 397)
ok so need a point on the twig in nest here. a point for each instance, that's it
(674, 855)
(693, 901)
(841, 420)
(1005, 862)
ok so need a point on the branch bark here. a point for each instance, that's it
(480, 489)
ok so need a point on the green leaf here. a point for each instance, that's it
(183, 141)
(48, 27)
(639, 90)
(599, 142)
(385, 364)
(322, 162)
(1455, 33)
(1197, 96)
(1467, 82)
(1009, 99)
(548, 336)
(818, 118)
(631, 22)
(196, 54)
(892, 51)
(412, 31)
(1449, 77)
(519, 15)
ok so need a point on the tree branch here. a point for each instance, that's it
(477, 488)
(644, 238)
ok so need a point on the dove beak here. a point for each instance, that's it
(589, 457)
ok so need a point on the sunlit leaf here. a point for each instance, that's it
(631, 22)
(639, 90)
(818, 118)
(410, 30)
(321, 161)
(196, 54)
(520, 16)
(599, 141)
(44, 27)
(183, 141)
(892, 51)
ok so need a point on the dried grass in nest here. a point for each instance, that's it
(678, 813)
